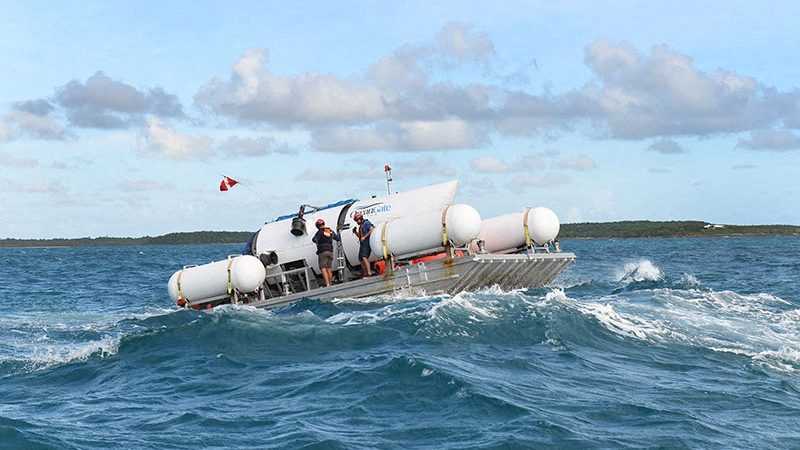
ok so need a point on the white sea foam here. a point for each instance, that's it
(643, 270)
(690, 280)
(760, 325)
(465, 302)
(375, 315)
(46, 340)
(42, 356)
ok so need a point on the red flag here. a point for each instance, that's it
(227, 183)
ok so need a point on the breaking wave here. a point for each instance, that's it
(643, 270)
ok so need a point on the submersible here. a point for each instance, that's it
(422, 243)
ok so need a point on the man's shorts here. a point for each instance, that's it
(364, 250)
(325, 260)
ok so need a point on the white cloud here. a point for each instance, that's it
(16, 124)
(664, 94)
(397, 99)
(461, 42)
(253, 93)
(102, 102)
(773, 140)
(163, 140)
(5, 132)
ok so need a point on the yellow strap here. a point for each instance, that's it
(445, 238)
(230, 285)
(383, 240)
(528, 240)
(180, 288)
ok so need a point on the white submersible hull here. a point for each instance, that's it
(422, 243)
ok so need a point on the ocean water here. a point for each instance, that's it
(643, 343)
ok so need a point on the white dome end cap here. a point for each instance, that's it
(247, 273)
(463, 223)
(543, 225)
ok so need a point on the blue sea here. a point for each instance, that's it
(642, 343)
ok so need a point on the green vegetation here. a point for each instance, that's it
(627, 229)
(646, 228)
(195, 237)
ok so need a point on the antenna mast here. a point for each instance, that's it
(387, 169)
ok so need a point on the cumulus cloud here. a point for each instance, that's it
(6, 133)
(39, 107)
(631, 95)
(253, 93)
(771, 140)
(462, 42)
(102, 102)
(401, 102)
(17, 123)
(163, 140)
(665, 94)
(403, 136)
(666, 147)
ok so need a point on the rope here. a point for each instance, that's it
(528, 240)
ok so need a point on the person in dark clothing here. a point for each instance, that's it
(363, 231)
(324, 239)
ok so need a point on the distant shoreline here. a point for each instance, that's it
(599, 230)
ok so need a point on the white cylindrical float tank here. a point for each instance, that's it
(507, 232)
(211, 280)
(420, 232)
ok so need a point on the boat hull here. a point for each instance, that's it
(450, 276)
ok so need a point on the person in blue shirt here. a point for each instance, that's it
(324, 239)
(363, 231)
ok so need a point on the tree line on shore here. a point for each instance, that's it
(625, 229)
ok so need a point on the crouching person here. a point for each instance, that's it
(324, 239)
